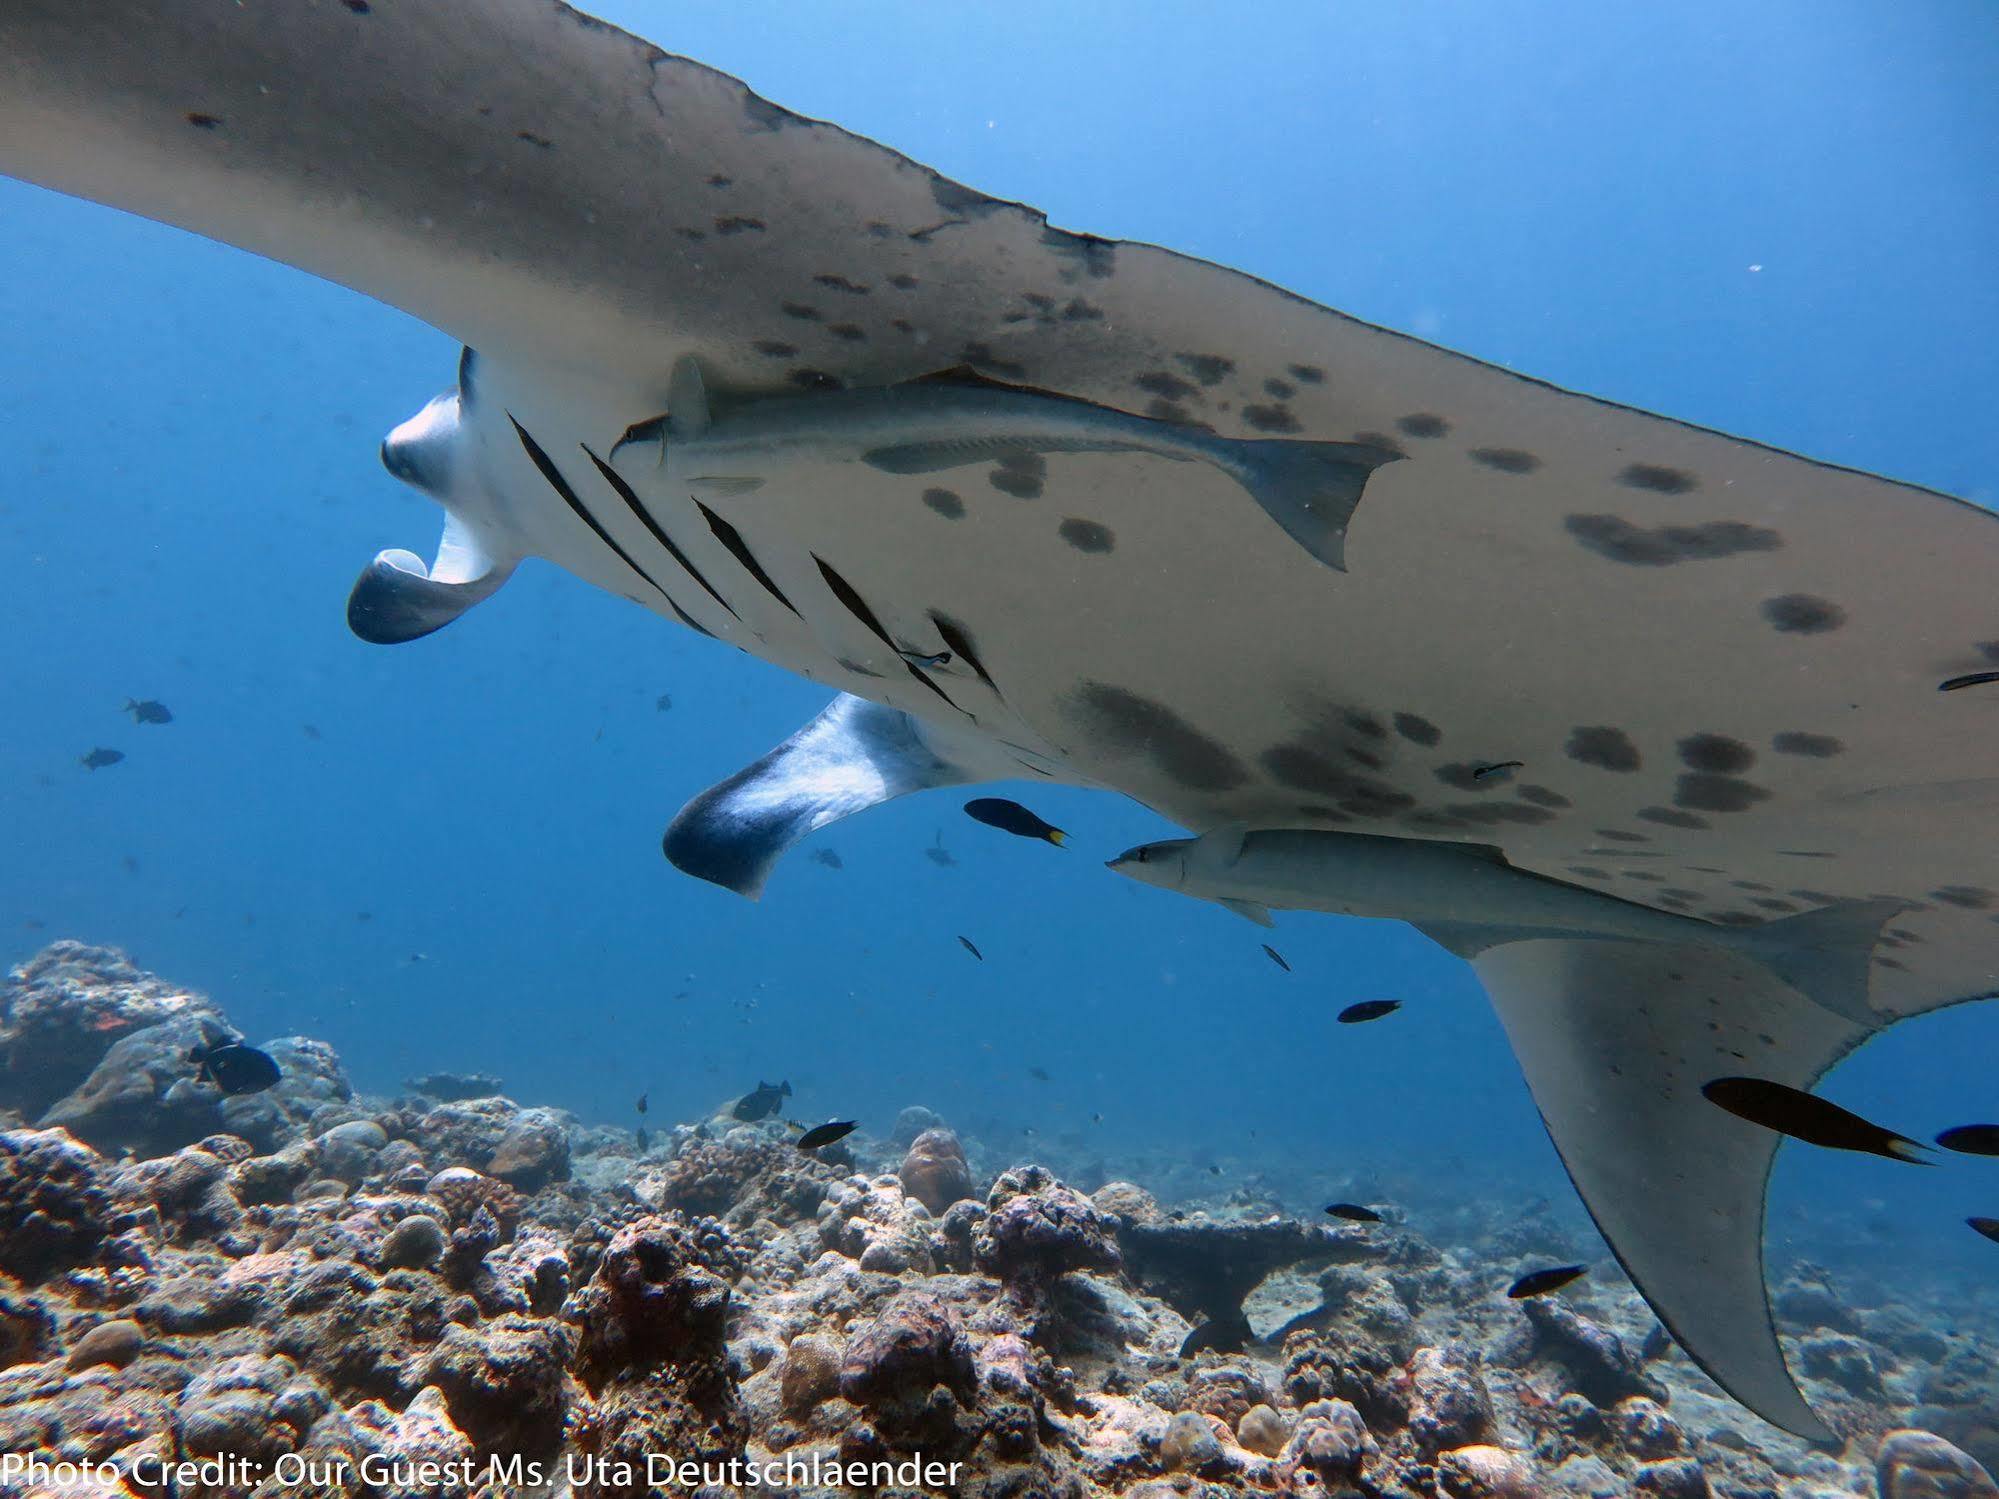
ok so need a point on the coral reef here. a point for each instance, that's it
(452, 1278)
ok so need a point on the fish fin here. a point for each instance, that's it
(1248, 910)
(686, 399)
(853, 756)
(1616, 1039)
(1311, 489)
(398, 598)
(1224, 843)
(1057, 837)
(1827, 955)
(725, 486)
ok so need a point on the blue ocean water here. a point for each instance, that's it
(1776, 222)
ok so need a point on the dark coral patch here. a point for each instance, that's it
(1417, 729)
(1271, 418)
(1816, 746)
(1423, 424)
(1703, 792)
(1541, 796)
(1133, 725)
(945, 502)
(1715, 752)
(1658, 479)
(1086, 535)
(1667, 817)
(1209, 369)
(1021, 475)
(1803, 614)
(1604, 747)
(1506, 460)
(1662, 546)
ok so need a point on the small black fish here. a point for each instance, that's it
(148, 711)
(1039, 1074)
(1986, 1226)
(1971, 1139)
(1804, 1117)
(663, 702)
(1541, 1282)
(1497, 768)
(1224, 1332)
(235, 1068)
(100, 757)
(642, 1138)
(1368, 1009)
(1353, 1212)
(1969, 679)
(1276, 957)
(937, 853)
(1214, 1171)
(1012, 817)
(826, 1134)
(967, 944)
(827, 857)
(644, 1099)
(764, 1102)
(918, 658)
(309, 731)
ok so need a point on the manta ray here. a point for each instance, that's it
(1038, 504)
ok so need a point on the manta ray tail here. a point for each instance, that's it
(853, 756)
(1616, 1039)
(398, 598)
(1311, 489)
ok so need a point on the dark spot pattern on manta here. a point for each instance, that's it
(1086, 535)
(1814, 746)
(945, 503)
(1604, 747)
(1506, 460)
(1127, 723)
(1802, 614)
(1619, 540)
(1657, 479)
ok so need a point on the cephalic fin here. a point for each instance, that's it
(397, 598)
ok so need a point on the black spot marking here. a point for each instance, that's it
(1279, 390)
(1166, 384)
(1658, 479)
(1464, 775)
(1506, 460)
(359, 7)
(1271, 418)
(1969, 897)
(1662, 546)
(731, 538)
(645, 518)
(902, 281)
(771, 348)
(1021, 475)
(691, 234)
(1604, 747)
(1305, 767)
(1715, 752)
(1678, 894)
(1815, 897)
(204, 122)
(1618, 835)
(1308, 374)
(1079, 311)
(1097, 257)
(840, 283)
(1643, 876)
(1589, 871)
(1717, 793)
(1541, 796)
(1171, 411)
(1086, 535)
(1748, 885)
(1796, 742)
(1771, 903)
(1813, 853)
(1136, 725)
(811, 379)
(1381, 440)
(945, 502)
(1417, 729)
(1803, 614)
(717, 180)
(853, 333)
(1423, 424)
(902, 325)
(1364, 724)
(1209, 369)
(959, 640)
(1667, 817)
(532, 139)
(803, 311)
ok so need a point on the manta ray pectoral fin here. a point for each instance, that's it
(1616, 1039)
(854, 755)
(1248, 910)
(398, 598)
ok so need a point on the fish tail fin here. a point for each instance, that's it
(1311, 489)
(1827, 955)
(1057, 837)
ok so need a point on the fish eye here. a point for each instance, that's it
(1144, 855)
